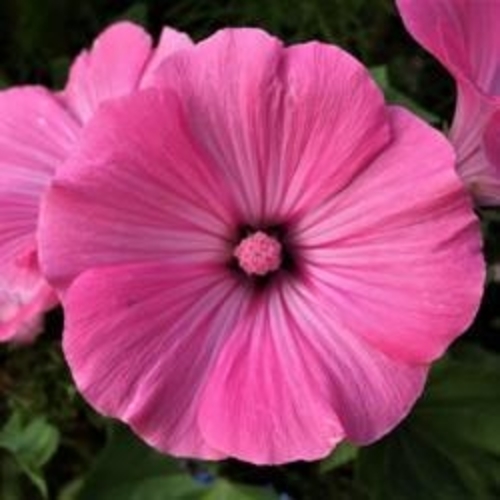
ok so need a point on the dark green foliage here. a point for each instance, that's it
(31, 443)
(449, 448)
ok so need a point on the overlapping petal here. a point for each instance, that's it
(276, 119)
(292, 382)
(405, 226)
(120, 58)
(158, 198)
(170, 42)
(464, 36)
(492, 142)
(472, 124)
(144, 356)
(24, 298)
(38, 131)
(36, 135)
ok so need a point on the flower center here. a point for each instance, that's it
(258, 254)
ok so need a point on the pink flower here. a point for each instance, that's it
(464, 35)
(258, 258)
(38, 131)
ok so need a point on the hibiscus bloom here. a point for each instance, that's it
(258, 258)
(464, 36)
(38, 131)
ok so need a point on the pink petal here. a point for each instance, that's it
(462, 34)
(120, 61)
(112, 68)
(398, 253)
(275, 120)
(473, 113)
(140, 341)
(170, 41)
(291, 383)
(24, 298)
(36, 135)
(139, 189)
(492, 152)
(492, 138)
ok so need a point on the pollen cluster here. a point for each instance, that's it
(258, 254)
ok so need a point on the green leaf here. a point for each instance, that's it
(71, 490)
(342, 455)
(224, 490)
(449, 448)
(31, 444)
(182, 487)
(175, 487)
(124, 466)
(128, 469)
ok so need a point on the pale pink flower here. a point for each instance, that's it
(258, 258)
(465, 36)
(38, 131)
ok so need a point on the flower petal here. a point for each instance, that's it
(24, 298)
(170, 41)
(492, 152)
(398, 253)
(140, 341)
(291, 383)
(276, 120)
(462, 34)
(112, 68)
(473, 113)
(139, 189)
(36, 135)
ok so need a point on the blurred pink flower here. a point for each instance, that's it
(38, 131)
(465, 36)
(258, 258)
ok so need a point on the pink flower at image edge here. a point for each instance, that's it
(464, 36)
(38, 132)
(259, 258)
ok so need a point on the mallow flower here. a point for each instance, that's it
(464, 35)
(38, 130)
(258, 258)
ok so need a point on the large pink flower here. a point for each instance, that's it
(464, 35)
(258, 258)
(38, 131)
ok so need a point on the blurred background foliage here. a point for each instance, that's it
(53, 446)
